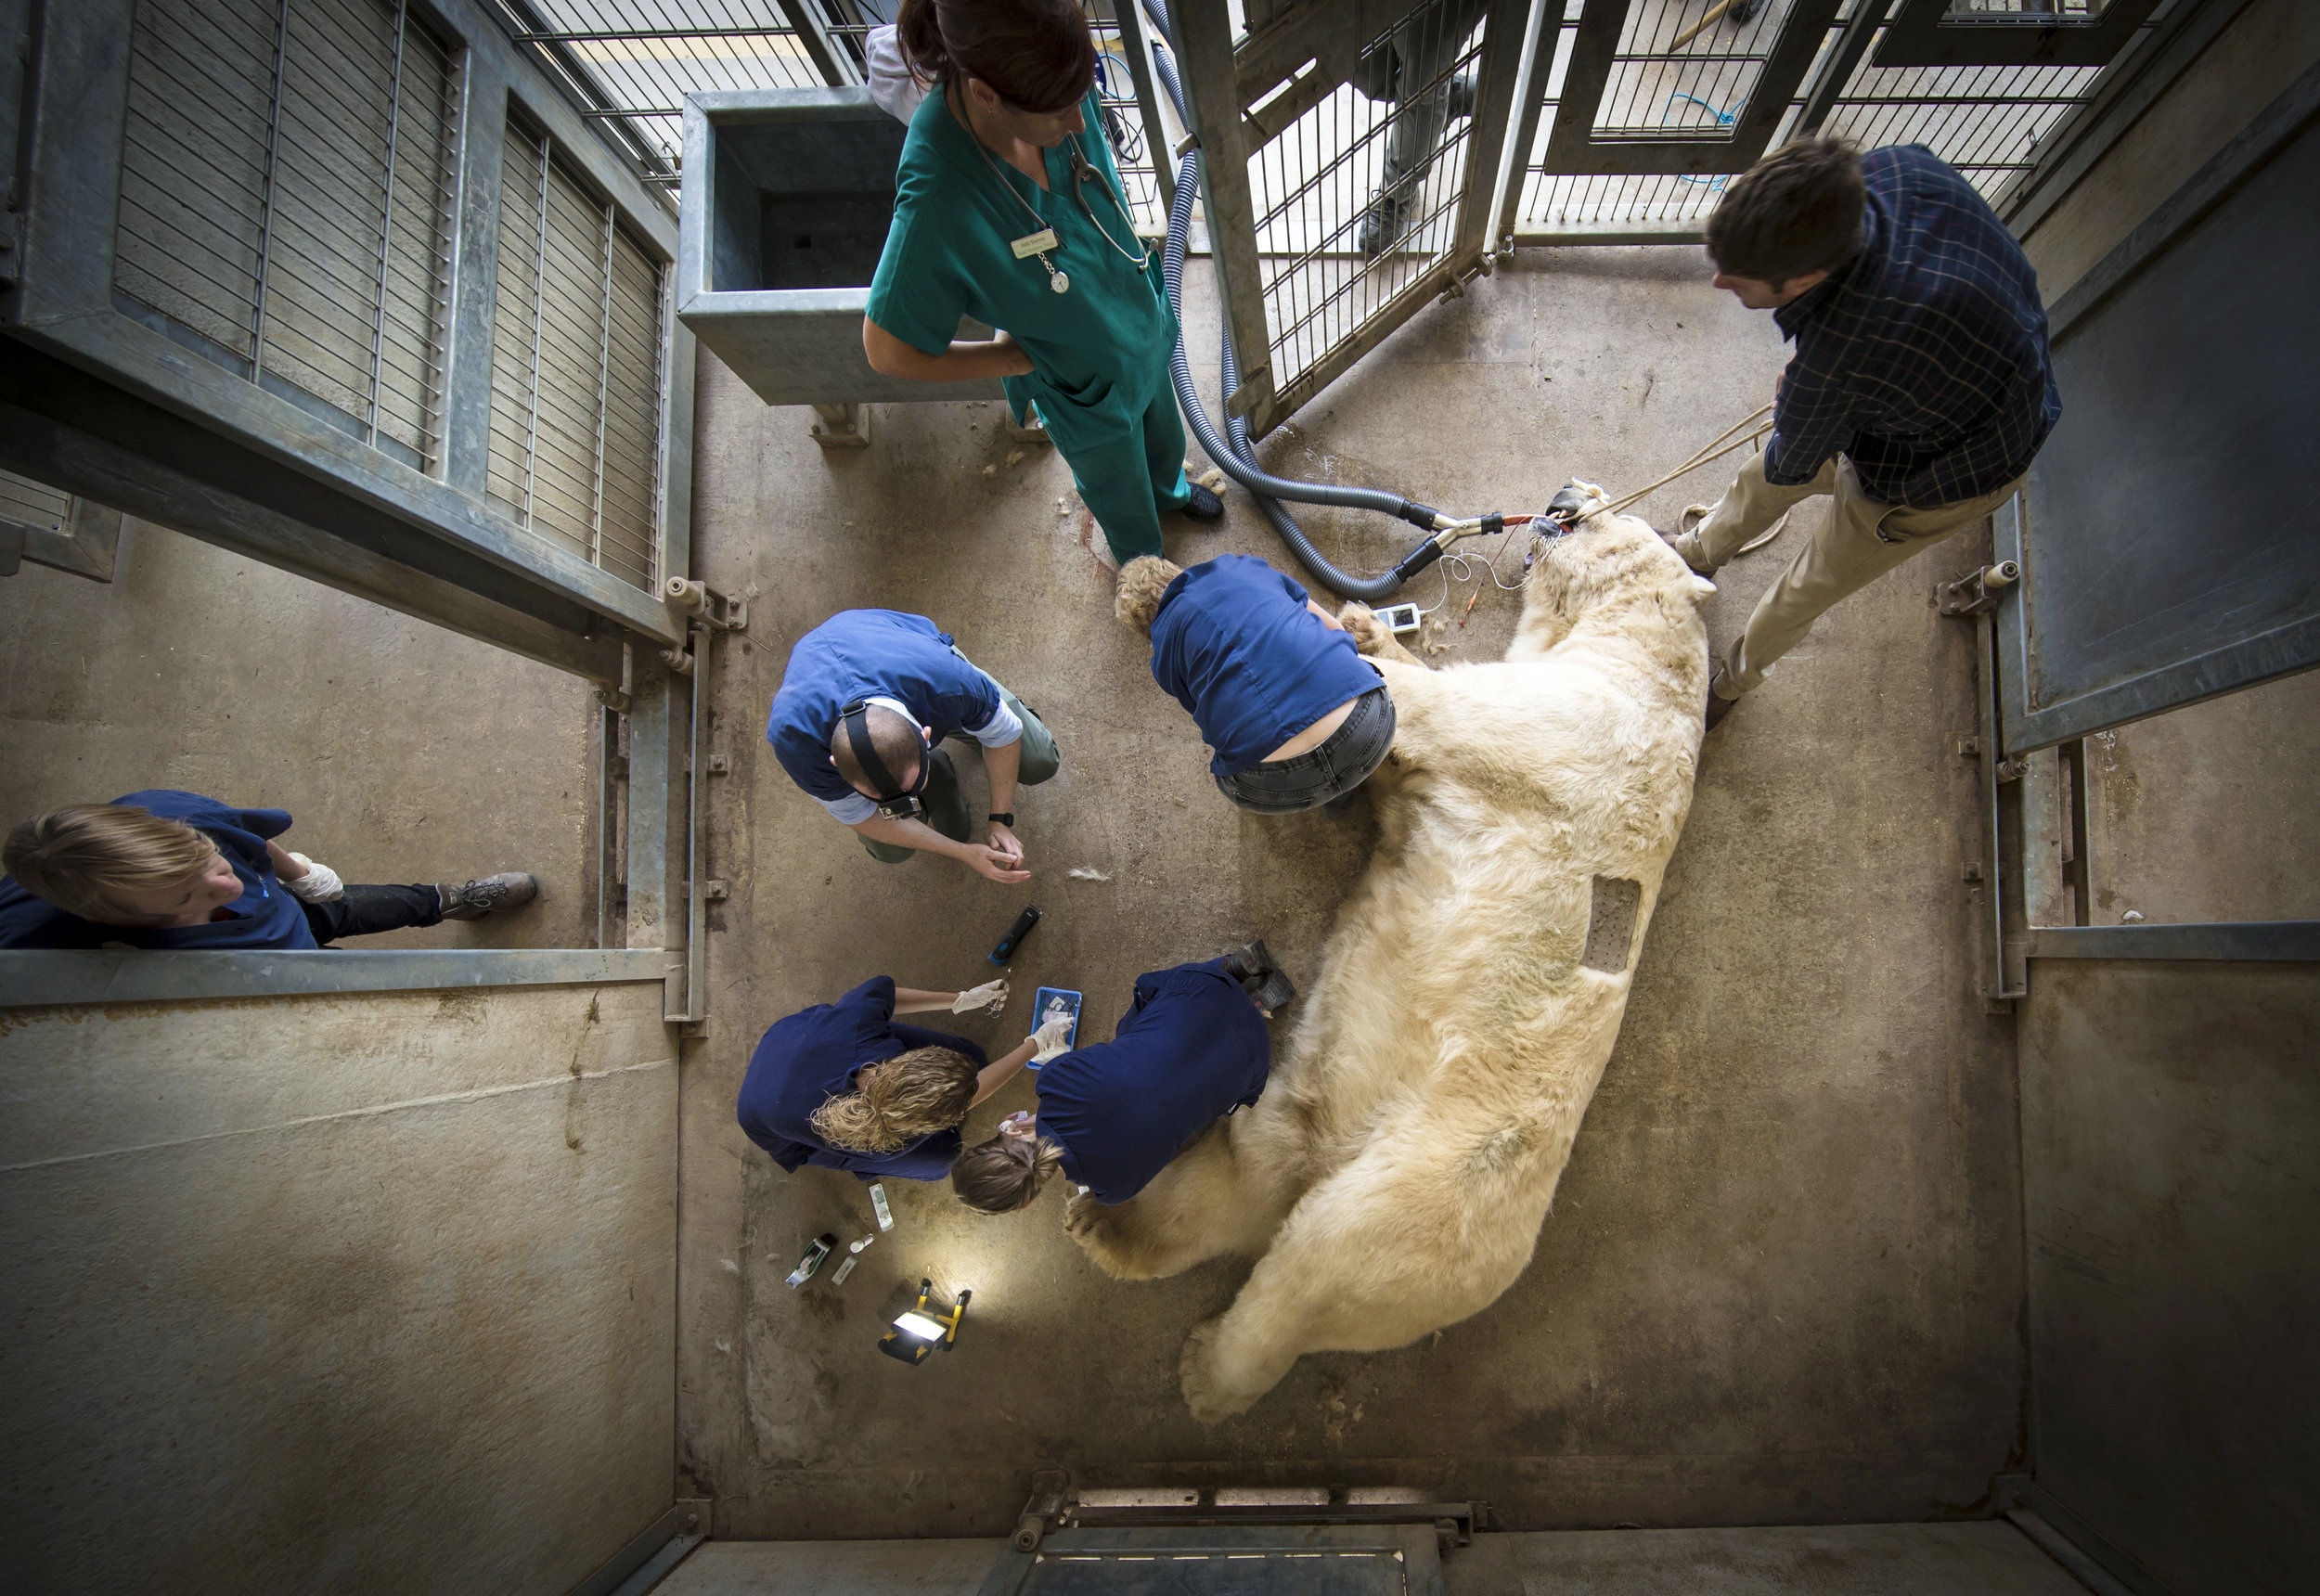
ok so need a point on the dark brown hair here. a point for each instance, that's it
(1036, 55)
(1796, 211)
(1005, 1173)
(891, 738)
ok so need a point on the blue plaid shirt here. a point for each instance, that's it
(1924, 358)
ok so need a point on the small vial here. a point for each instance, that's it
(858, 1246)
(845, 1267)
(878, 1203)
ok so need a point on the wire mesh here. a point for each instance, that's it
(576, 349)
(1357, 198)
(28, 502)
(1984, 121)
(286, 191)
(632, 62)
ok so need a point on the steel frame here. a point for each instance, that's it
(1221, 82)
(1920, 36)
(88, 545)
(105, 407)
(34, 980)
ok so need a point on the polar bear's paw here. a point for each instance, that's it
(1210, 1396)
(1370, 634)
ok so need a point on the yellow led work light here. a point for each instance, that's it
(919, 1330)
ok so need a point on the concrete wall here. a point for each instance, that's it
(370, 1293)
(2168, 1120)
(2256, 55)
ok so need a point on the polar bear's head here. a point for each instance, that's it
(1611, 572)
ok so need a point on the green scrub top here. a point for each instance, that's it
(1100, 350)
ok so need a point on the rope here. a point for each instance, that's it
(1716, 450)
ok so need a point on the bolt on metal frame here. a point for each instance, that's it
(287, 409)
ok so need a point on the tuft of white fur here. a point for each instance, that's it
(1393, 1176)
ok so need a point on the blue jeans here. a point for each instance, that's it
(1343, 760)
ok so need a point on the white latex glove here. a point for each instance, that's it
(1051, 1038)
(991, 996)
(319, 885)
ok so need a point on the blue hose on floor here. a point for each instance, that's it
(1233, 452)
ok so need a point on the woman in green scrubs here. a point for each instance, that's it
(1007, 208)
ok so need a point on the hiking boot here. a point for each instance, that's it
(1252, 967)
(1386, 220)
(1202, 505)
(1462, 96)
(1719, 705)
(473, 900)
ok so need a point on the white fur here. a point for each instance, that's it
(1394, 1177)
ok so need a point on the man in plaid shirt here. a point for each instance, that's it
(1921, 386)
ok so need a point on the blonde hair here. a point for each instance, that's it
(909, 1096)
(1005, 1173)
(86, 857)
(1143, 581)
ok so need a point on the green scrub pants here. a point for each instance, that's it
(1130, 481)
(946, 805)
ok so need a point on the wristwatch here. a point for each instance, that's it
(1006, 820)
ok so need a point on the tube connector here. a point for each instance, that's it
(1417, 559)
(1423, 515)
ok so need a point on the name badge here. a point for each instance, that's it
(1030, 244)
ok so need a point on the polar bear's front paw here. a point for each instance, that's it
(1210, 1397)
(1369, 634)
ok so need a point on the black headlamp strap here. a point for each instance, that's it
(855, 717)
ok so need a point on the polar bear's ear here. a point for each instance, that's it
(1701, 586)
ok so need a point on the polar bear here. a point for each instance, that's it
(1394, 1177)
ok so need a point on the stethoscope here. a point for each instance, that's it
(1041, 243)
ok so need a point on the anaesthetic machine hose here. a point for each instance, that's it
(1232, 452)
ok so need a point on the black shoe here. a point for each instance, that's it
(473, 900)
(1718, 706)
(1202, 505)
(1253, 968)
(1461, 93)
(1385, 222)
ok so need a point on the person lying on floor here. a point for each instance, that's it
(840, 1086)
(1190, 1048)
(1294, 717)
(174, 869)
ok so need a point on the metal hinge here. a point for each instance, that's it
(720, 610)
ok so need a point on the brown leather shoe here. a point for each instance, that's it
(1688, 525)
(473, 900)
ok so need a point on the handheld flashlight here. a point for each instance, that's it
(1013, 941)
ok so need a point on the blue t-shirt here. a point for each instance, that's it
(265, 916)
(1235, 645)
(1190, 1048)
(809, 1057)
(869, 653)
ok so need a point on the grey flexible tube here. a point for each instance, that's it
(1233, 452)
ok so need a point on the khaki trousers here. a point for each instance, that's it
(1864, 539)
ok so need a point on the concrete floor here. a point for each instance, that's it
(1989, 1559)
(402, 752)
(1783, 1279)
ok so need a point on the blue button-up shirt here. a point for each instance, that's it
(1924, 358)
(1190, 1048)
(811, 1057)
(1234, 643)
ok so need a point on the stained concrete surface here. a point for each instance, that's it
(1989, 1559)
(1783, 1280)
(404, 752)
(364, 1294)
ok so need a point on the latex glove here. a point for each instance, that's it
(319, 885)
(1053, 1039)
(991, 996)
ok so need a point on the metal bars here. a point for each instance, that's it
(1987, 120)
(577, 366)
(632, 62)
(285, 203)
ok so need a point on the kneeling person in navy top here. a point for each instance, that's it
(1190, 1049)
(840, 1086)
(867, 696)
(174, 869)
(1294, 717)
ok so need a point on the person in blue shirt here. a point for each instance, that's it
(168, 869)
(1921, 389)
(842, 1086)
(1294, 717)
(865, 699)
(1190, 1048)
